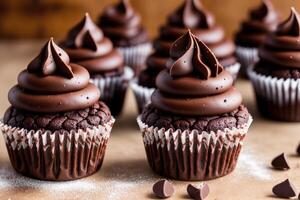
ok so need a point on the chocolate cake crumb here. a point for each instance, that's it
(276, 71)
(154, 117)
(98, 114)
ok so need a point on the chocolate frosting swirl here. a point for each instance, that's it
(122, 24)
(52, 84)
(282, 48)
(262, 20)
(191, 15)
(195, 83)
(87, 46)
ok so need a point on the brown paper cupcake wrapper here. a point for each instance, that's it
(142, 94)
(55, 156)
(192, 155)
(277, 98)
(113, 90)
(247, 57)
(135, 56)
(234, 70)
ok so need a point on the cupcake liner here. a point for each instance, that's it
(277, 98)
(56, 156)
(135, 56)
(247, 57)
(192, 155)
(142, 94)
(234, 70)
(113, 90)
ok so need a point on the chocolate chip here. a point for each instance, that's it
(298, 150)
(199, 193)
(284, 189)
(163, 189)
(280, 162)
(299, 197)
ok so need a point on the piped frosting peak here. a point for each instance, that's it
(192, 15)
(191, 56)
(291, 26)
(51, 60)
(85, 34)
(265, 12)
(124, 6)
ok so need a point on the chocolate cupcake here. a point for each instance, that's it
(195, 125)
(87, 46)
(276, 77)
(252, 34)
(56, 127)
(122, 24)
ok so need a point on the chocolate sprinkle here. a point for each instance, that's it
(280, 162)
(284, 189)
(163, 189)
(198, 193)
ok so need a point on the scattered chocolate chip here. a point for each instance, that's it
(280, 162)
(284, 189)
(298, 150)
(199, 193)
(163, 189)
(299, 196)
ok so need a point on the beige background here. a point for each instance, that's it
(45, 18)
(125, 173)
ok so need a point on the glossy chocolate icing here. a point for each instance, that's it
(262, 20)
(192, 15)
(282, 47)
(52, 84)
(122, 24)
(87, 46)
(195, 83)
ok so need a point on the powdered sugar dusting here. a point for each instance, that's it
(253, 166)
(113, 189)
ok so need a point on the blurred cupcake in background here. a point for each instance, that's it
(87, 46)
(276, 77)
(262, 20)
(122, 24)
(195, 125)
(190, 15)
(56, 128)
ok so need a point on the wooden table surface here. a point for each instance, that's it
(125, 173)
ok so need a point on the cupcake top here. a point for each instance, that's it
(262, 20)
(87, 46)
(195, 84)
(122, 24)
(52, 84)
(280, 54)
(192, 15)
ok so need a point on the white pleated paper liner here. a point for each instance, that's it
(135, 56)
(113, 89)
(277, 98)
(233, 70)
(142, 94)
(56, 156)
(192, 155)
(247, 57)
